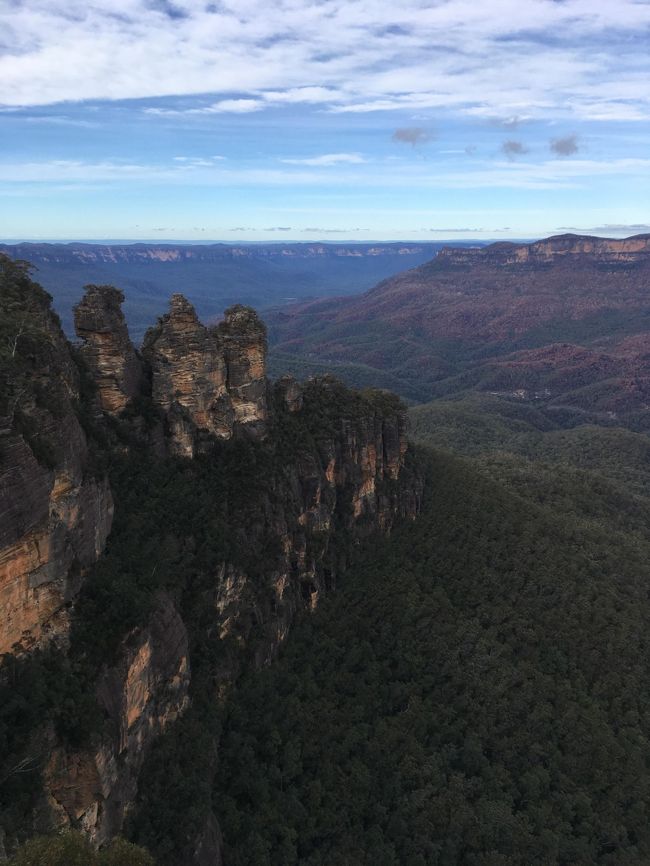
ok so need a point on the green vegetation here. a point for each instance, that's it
(24, 338)
(354, 375)
(475, 693)
(538, 441)
(73, 849)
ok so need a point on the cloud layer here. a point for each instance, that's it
(578, 57)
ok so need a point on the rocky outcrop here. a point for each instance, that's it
(243, 338)
(141, 695)
(291, 393)
(209, 382)
(303, 473)
(55, 513)
(573, 248)
(349, 482)
(41, 569)
(107, 348)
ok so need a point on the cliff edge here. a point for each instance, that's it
(239, 504)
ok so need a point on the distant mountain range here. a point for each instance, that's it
(564, 322)
(213, 276)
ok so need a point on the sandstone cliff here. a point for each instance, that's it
(212, 556)
(572, 248)
(55, 513)
(93, 788)
(331, 471)
(209, 382)
(107, 348)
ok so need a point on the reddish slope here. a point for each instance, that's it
(442, 320)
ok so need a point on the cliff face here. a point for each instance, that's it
(207, 381)
(325, 497)
(107, 348)
(332, 471)
(288, 478)
(55, 515)
(572, 248)
(145, 691)
(83, 254)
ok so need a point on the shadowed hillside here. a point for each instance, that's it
(563, 322)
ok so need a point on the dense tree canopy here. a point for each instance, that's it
(476, 693)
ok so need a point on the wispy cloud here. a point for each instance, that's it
(190, 162)
(60, 120)
(327, 159)
(611, 229)
(347, 170)
(315, 230)
(470, 231)
(224, 106)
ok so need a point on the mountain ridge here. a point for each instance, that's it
(214, 276)
(443, 326)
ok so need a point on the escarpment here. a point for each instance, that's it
(270, 528)
(572, 249)
(55, 510)
(239, 504)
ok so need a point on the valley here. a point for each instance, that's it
(214, 276)
(562, 323)
(253, 621)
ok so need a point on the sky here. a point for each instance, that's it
(342, 120)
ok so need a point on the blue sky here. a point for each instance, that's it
(336, 119)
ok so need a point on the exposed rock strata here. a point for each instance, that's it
(55, 515)
(243, 337)
(107, 348)
(148, 688)
(208, 381)
(334, 464)
(328, 496)
(573, 248)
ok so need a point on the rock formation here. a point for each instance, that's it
(326, 467)
(55, 513)
(344, 479)
(207, 381)
(243, 337)
(93, 789)
(107, 348)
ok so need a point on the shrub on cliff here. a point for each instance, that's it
(73, 849)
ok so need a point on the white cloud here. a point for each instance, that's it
(328, 159)
(234, 106)
(363, 56)
(224, 106)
